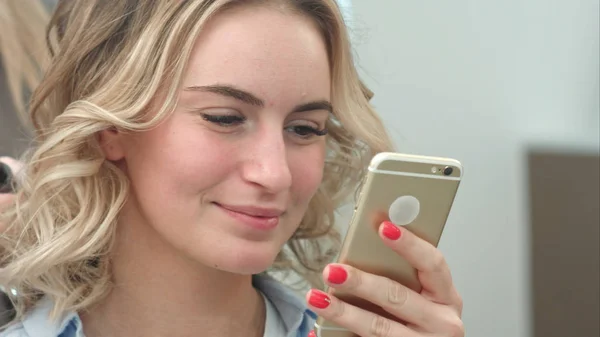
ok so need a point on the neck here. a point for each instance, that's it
(159, 292)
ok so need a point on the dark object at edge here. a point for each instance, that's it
(5, 179)
(7, 311)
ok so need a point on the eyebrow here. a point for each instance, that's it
(248, 98)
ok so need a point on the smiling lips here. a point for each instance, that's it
(255, 217)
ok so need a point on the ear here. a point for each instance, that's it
(111, 142)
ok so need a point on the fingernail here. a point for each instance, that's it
(319, 299)
(391, 231)
(337, 274)
(312, 334)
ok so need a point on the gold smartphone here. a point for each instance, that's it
(416, 192)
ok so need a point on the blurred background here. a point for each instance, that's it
(511, 89)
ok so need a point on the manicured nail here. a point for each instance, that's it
(337, 274)
(391, 231)
(319, 299)
(312, 334)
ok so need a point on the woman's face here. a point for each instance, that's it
(227, 179)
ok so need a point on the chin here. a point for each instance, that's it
(245, 259)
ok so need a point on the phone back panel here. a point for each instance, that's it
(391, 176)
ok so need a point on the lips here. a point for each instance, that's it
(260, 212)
(258, 218)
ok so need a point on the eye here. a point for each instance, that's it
(224, 120)
(306, 131)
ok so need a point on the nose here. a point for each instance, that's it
(267, 163)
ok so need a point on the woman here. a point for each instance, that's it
(187, 147)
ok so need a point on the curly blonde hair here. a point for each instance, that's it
(111, 60)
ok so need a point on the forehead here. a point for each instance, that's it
(262, 49)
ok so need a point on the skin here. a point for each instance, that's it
(174, 238)
(183, 263)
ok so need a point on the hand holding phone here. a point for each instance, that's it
(389, 278)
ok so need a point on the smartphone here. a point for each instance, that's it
(415, 192)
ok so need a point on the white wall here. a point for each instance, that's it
(479, 81)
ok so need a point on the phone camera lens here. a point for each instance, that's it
(448, 170)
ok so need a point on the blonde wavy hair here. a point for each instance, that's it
(112, 59)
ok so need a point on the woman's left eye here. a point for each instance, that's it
(224, 120)
(306, 131)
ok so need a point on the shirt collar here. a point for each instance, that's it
(293, 311)
(291, 307)
(39, 324)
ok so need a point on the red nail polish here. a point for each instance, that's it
(319, 299)
(312, 334)
(337, 274)
(391, 231)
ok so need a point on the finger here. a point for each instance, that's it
(431, 265)
(398, 300)
(6, 200)
(359, 321)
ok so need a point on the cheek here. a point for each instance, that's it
(173, 166)
(307, 172)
